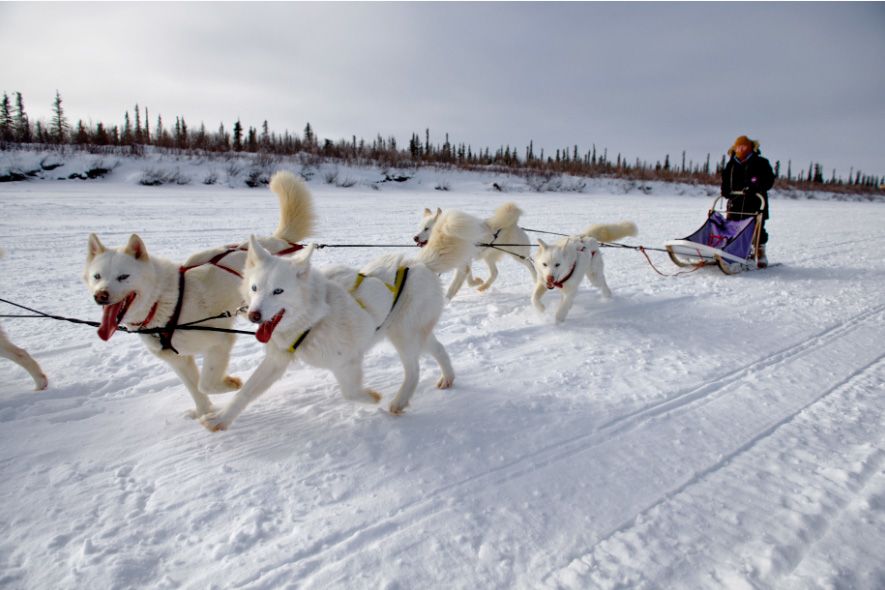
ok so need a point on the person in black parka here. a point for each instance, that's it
(746, 175)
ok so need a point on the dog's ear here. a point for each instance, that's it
(95, 247)
(427, 212)
(438, 212)
(257, 253)
(306, 253)
(541, 245)
(136, 248)
(301, 261)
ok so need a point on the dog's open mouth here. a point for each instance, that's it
(112, 315)
(550, 283)
(421, 244)
(265, 330)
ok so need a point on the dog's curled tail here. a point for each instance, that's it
(297, 217)
(452, 242)
(610, 232)
(504, 217)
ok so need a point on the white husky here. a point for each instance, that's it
(21, 357)
(565, 264)
(331, 318)
(439, 230)
(145, 292)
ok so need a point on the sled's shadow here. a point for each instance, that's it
(792, 272)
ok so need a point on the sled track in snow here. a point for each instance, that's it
(876, 460)
(335, 548)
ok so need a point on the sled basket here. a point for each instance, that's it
(725, 242)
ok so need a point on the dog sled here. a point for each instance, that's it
(731, 244)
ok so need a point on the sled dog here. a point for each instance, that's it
(330, 319)
(21, 357)
(440, 231)
(143, 292)
(564, 264)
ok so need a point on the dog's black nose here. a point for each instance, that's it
(417, 240)
(255, 317)
(102, 297)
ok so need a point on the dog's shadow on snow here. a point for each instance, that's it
(594, 313)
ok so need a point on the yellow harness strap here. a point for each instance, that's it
(395, 288)
(298, 341)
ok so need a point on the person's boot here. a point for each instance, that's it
(762, 259)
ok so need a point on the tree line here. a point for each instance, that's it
(136, 131)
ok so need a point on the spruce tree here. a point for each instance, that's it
(238, 136)
(22, 125)
(81, 137)
(147, 127)
(60, 127)
(127, 129)
(101, 136)
(139, 137)
(6, 129)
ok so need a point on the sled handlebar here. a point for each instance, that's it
(734, 195)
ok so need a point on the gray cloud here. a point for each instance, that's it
(643, 79)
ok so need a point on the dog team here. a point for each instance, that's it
(328, 318)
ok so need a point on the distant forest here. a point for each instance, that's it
(136, 131)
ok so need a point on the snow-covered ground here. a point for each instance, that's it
(703, 431)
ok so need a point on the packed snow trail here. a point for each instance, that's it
(704, 431)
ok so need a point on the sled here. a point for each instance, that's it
(727, 243)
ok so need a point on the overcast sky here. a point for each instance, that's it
(642, 79)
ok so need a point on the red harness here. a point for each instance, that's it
(216, 260)
(559, 284)
(168, 330)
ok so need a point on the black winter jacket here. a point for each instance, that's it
(751, 176)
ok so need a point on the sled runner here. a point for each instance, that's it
(727, 243)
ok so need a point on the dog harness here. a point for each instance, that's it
(165, 335)
(230, 249)
(396, 288)
(582, 248)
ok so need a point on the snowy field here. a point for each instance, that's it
(703, 431)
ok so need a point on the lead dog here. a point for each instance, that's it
(331, 319)
(21, 357)
(142, 291)
(565, 264)
(440, 230)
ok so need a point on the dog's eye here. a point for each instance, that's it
(96, 276)
(254, 288)
(544, 264)
(556, 265)
(427, 228)
(277, 291)
(122, 278)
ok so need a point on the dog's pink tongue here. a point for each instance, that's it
(109, 321)
(265, 330)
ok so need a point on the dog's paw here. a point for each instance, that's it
(214, 422)
(444, 383)
(396, 409)
(198, 413)
(41, 383)
(233, 382)
(374, 396)
(484, 287)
